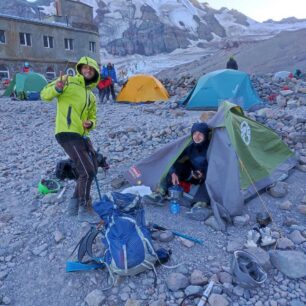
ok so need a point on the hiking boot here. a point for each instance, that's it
(86, 213)
(154, 198)
(73, 207)
(199, 213)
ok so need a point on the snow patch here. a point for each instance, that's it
(135, 64)
(48, 10)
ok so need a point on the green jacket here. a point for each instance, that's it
(76, 103)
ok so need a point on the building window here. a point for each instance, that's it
(70, 71)
(25, 39)
(50, 73)
(48, 41)
(4, 72)
(2, 37)
(68, 44)
(92, 46)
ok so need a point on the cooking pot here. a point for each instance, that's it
(176, 192)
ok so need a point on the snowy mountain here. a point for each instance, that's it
(151, 27)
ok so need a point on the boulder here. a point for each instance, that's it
(217, 300)
(279, 190)
(284, 243)
(290, 263)
(176, 281)
(95, 298)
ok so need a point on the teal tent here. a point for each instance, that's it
(25, 83)
(217, 86)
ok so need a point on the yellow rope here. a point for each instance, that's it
(252, 182)
(262, 201)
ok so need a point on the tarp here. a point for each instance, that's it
(281, 75)
(142, 88)
(26, 82)
(244, 157)
(226, 84)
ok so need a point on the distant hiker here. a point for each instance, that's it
(231, 64)
(26, 67)
(76, 116)
(298, 74)
(191, 166)
(104, 87)
(109, 71)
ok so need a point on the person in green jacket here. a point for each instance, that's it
(75, 117)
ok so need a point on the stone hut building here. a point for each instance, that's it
(50, 45)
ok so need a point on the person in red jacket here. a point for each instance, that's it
(104, 87)
(26, 67)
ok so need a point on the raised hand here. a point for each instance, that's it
(59, 85)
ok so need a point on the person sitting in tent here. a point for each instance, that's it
(190, 167)
(109, 71)
(231, 63)
(104, 87)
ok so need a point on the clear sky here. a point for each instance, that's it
(261, 10)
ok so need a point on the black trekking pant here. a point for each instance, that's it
(81, 151)
(112, 91)
(183, 171)
(104, 92)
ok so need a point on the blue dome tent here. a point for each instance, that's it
(217, 86)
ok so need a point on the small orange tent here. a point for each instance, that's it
(142, 88)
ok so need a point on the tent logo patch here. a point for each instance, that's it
(134, 171)
(245, 132)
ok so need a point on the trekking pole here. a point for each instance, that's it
(175, 233)
(96, 179)
(206, 294)
(97, 184)
(92, 159)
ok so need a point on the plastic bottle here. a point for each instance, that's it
(175, 207)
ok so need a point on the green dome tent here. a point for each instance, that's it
(244, 157)
(217, 86)
(24, 83)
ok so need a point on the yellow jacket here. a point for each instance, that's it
(76, 103)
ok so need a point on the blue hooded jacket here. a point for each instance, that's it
(195, 153)
(109, 71)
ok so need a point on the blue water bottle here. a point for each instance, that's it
(175, 208)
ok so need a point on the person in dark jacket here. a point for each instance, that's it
(191, 166)
(109, 71)
(231, 64)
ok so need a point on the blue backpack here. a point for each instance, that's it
(127, 246)
(129, 249)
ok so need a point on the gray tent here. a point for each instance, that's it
(244, 157)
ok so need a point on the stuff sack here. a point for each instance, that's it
(65, 169)
(33, 95)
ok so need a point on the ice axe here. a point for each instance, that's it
(175, 233)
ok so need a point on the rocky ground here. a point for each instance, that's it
(37, 236)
